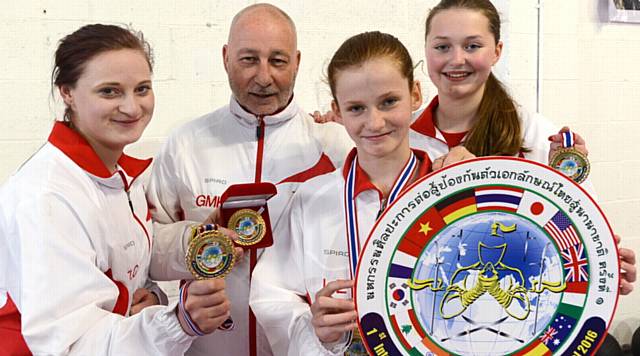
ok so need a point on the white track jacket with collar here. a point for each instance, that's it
(197, 164)
(424, 135)
(76, 243)
(312, 251)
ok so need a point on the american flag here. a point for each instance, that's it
(575, 262)
(548, 335)
(560, 228)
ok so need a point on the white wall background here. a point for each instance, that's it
(590, 76)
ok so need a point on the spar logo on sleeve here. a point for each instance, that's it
(495, 256)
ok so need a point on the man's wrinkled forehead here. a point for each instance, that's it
(250, 22)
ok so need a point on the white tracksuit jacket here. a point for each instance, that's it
(229, 146)
(424, 134)
(536, 129)
(311, 251)
(76, 243)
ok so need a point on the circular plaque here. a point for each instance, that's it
(249, 225)
(572, 163)
(210, 255)
(493, 256)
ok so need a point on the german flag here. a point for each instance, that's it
(457, 206)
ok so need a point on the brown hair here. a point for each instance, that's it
(76, 49)
(360, 48)
(497, 131)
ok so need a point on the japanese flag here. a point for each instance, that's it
(536, 208)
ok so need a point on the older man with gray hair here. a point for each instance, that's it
(260, 136)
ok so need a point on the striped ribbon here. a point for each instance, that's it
(568, 139)
(353, 238)
(185, 314)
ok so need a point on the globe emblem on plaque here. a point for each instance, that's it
(491, 280)
(494, 256)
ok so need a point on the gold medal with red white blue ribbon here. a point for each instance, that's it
(570, 161)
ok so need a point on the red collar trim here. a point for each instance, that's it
(425, 162)
(362, 179)
(74, 146)
(453, 139)
(425, 124)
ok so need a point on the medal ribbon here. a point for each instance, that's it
(567, 139)
(353, 239)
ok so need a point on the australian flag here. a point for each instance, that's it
(558, 331)
(574, 262)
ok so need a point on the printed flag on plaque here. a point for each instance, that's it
(575, 263)
(498, 198)
(457, 206)
(562, 231)
(536, 208)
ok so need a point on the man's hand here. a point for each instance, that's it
(329, 116)
(237, 251)
(456, 154)
(216, 218)
(333, 317)
(142, 298)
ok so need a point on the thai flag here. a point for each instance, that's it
(575, 263)
(498, 198)
(560, 228)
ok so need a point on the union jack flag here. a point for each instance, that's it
(575, 263)
(548, 335)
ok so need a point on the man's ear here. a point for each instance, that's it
(225, 57)
(297, 60)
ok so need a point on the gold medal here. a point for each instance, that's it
(356, 346)
(249, 225)
(210, 253)
(571, 163)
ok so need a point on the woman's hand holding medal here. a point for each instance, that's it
(627, 267)
(568, 154)
(203, 306)
(332, 317)
(211, 254)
